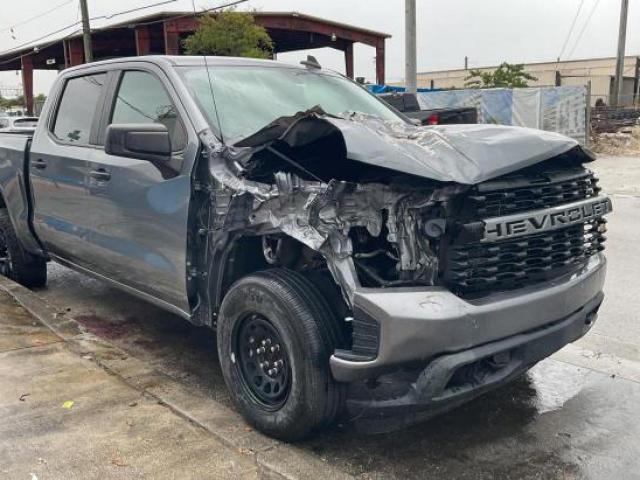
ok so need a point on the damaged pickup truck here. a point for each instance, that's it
(330, 243)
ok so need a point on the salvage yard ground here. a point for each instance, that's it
(130, 391)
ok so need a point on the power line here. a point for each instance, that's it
(78, 22)
(17, 57)
(136, 9)
(230, 4)
(584, 27)
(35, 17)
(204, 10)
(573, 24)
(25, 44)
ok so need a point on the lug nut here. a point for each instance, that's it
(275, 348)
(272, 371)
(260, 350)
(251, 339)
(279, 364)
(264, 365)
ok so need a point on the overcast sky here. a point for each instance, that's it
(487, 31)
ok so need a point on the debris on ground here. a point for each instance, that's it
(24, 396)
(68, 404)
(626, 141)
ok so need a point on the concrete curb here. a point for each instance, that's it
(275, 460)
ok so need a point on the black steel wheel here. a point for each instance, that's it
(275, 335)
(262, 361)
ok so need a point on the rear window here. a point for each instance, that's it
(77, 107)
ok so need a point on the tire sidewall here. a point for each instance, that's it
(304, 404)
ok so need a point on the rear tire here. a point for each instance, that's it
(294, 395)
(15, 262)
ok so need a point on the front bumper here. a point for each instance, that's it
(453, 379)
(422, 324)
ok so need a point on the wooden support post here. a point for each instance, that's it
(143, 40)
(348, 59)
(74, 55)
(380, 62)
(171, 38)
(27, 82)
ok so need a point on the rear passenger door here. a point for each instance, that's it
(58, 167)
(141, 208)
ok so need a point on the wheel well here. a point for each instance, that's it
(247, 256)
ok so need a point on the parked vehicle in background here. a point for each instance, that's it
(325, 238)
(408, 104)
(18, 124)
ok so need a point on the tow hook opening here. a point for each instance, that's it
(592, 316)
(476, 373)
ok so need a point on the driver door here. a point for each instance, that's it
(141, 209)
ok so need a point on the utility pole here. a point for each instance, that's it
(622, 37)
(86, 32)
(410, 52)
(466, 63)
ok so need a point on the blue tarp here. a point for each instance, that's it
(556, 109)
(392, 88)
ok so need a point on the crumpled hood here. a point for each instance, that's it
(465, 154)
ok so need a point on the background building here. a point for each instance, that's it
(163, 33)
(600, 71)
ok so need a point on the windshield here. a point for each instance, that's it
(249, 98)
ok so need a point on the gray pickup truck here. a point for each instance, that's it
(329, 242)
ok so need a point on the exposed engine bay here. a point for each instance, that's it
(370, 200)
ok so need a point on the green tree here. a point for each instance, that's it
(229, 34)
(12, 102)
(506, 75)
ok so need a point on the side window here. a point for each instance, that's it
(142, 98)
(77, 107)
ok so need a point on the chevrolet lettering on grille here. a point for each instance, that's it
(538, 221)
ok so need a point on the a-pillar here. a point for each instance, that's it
(143, 40)
(380, 62)
(27, 82)
(171, 38)
(348, 59)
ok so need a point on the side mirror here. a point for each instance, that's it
(145, 141)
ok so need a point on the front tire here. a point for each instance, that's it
(275, 336)
(15, 262)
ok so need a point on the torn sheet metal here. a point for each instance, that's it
(321, 210)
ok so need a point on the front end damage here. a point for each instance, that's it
(394, 213)
(381, 231)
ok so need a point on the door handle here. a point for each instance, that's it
(100, 174)
(39, 163)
